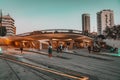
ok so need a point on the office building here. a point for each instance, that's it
(86, 22)
(105, 18)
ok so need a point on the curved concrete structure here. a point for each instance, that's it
(55, 33)
(55, 36)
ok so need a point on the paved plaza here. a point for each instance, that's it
(96, 66)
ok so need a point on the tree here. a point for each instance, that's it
(3, 31)
(113, 32)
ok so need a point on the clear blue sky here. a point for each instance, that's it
(30, 15)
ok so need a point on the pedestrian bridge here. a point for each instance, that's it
(56, 36)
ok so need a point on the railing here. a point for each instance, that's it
(47, 31)
(62, 30)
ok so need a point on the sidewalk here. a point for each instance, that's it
(81, 61)
(94, 65)
(92, 53)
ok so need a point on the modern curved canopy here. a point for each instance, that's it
(54, 34)
(49, 34)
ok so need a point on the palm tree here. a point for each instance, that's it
(113, 32)
(108, 32)
(118, 31)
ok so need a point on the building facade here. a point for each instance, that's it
(105, 18)
(86, 22)
(8, 23)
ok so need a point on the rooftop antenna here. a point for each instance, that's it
(8, 14)
(93, 28)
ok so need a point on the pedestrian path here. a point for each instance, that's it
(113, 43)
(85, 52)
(103, 67)
(79, 52)
(92, 65)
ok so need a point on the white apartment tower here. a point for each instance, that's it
(86, 22)
(8, 22)
(105, 18)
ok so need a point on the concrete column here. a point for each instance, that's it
(51, 42)
(71, 44)
(41, 46)
(31, 46)
(84, 44)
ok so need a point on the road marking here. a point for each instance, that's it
(48, 70)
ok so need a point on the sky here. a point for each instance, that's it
(31, 15)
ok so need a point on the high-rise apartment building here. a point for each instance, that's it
(8, 23)
(105, 18)
(86, 22)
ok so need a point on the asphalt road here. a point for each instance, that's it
(79, 63)
(96, 67)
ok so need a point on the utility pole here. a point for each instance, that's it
(0, 17)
